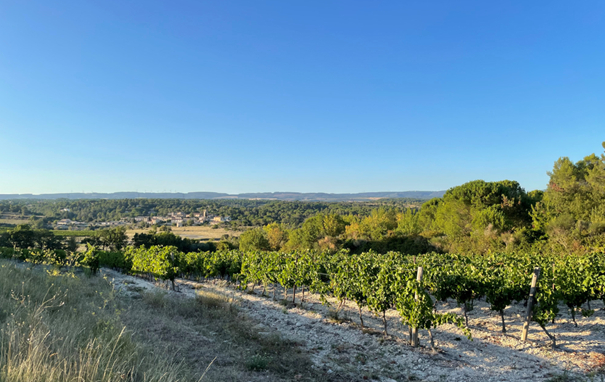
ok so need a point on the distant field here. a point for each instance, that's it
(196, 232)
(73, 233)
(13, 221)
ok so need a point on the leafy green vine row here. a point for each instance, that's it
(377, 282)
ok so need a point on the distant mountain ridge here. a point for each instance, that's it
(292, 196)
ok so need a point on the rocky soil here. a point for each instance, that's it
(340, 348)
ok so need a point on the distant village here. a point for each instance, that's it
(176, 219)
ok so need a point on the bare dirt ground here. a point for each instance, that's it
(341, 350)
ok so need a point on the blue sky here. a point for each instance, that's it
(331, 96)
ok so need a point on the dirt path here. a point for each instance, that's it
(340, 348)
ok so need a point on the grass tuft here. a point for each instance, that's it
(257, 362)
(213, 300)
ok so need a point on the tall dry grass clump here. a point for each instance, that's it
(66, 328)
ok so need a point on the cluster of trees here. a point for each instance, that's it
(571, 214)
(111, 239)
(14, 207)
(383, 230)
(477, 217)
(169, 239)
(568, 217)
(24, 236)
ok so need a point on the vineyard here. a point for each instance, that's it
(410, 284)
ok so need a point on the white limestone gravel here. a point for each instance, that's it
(342, 349)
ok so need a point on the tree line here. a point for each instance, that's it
(243, 212)
(476, 217)
(25, 236)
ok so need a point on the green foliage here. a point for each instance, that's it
(254, 240)
(162, 262)
(476, 206)
(571, 214)
(350, 277)
(166, 239)
(416, 306)
(42, 256)
(409, 223)
(110, 238)
(332, 225)
(115, 260)
(276, 235)
(91, 259)
(505, 280)
(23, 236)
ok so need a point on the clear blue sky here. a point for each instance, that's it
(332, 96)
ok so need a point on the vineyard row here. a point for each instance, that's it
(374, 281)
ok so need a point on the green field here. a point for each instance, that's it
(73, 233)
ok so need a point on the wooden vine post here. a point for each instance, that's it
(414, 333)
(530, 303)
(172, 266)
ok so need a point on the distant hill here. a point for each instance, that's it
(312, 196)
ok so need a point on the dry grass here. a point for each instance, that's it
(213, 300)
(63, 327)
(211, 328)
(13, 221)
(68, 328)
(194, 232)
